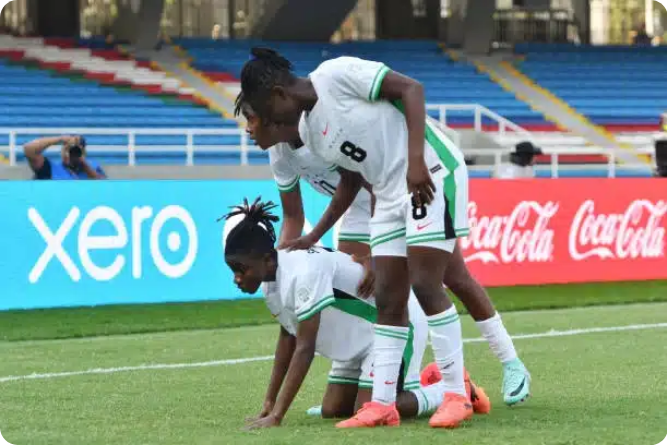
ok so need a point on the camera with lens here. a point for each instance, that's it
(76, 149)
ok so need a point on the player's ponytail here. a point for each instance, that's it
(255, 233)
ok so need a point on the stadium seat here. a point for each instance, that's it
(612, 86)
(445, 80)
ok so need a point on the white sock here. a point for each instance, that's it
(447, 343)
(388, 350)
(429, 398)
(493, 330)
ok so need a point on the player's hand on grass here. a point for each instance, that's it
(266, 410)
(420, 185)
(303, 243)
(265, 422)
(367, 285)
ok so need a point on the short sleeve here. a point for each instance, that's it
(360, 77)
(314, 288)
(284, 174)
(45, 172)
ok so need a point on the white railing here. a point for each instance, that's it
(245, 147)
(500, 155)
(132, 147)
(479, 112)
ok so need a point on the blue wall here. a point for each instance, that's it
(123, 241)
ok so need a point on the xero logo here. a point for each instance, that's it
(124, 233)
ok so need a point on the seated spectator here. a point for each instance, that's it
(521, 162)
(74, 164)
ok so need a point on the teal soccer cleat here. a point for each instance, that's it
(516, 382)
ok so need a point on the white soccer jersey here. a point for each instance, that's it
(351, 128)
(319, 281)
(290, 165)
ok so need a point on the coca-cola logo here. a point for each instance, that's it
(523, 235)
(636, 233)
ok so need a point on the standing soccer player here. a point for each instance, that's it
(346, 116)
(312, 294)
(291, 161)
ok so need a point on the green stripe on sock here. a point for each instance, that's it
(427, 408)
(393, 334)
(444, 321)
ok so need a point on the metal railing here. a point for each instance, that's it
(245, 147)
(132, 147)
(479, 113)
(500, 155)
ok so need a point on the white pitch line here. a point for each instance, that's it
(548, 334)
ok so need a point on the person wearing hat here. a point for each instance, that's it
(73, 161)
(521, 162)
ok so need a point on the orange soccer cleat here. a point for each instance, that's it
(373, 414)
(454, 410)
(481, 403)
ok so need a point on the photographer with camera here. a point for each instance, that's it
(74, 163)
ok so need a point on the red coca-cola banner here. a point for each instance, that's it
(567, 230)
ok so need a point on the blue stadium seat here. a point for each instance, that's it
(33, 99)
(612, 85)
(445, 81)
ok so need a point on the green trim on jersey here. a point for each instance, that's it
(357, 308)
(355, 237)
(342, 380)
(333, 168)
(366, 384)
(439, 145)
(426, 238)
(290, 186)
(386, 237)
(449, 185)
(377, 83)
(316, 309)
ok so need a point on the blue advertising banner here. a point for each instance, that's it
(70, 243)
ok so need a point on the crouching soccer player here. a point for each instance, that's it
(313, 296)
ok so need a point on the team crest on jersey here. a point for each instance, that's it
(302, 294)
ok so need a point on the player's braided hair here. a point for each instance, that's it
(238, 104)
(254, 234)
(265, 70)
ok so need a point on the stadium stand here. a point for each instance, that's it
(58, 85)
(446, 81)
(615, 86)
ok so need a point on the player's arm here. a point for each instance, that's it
(304, 353)
(348, 187)
(293, 217)
(283, 356)
(397, 87)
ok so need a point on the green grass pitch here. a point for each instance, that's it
(179, 374)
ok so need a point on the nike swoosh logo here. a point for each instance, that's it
(518, 390)
(420, 228)
(326, 130)
(389, 383)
